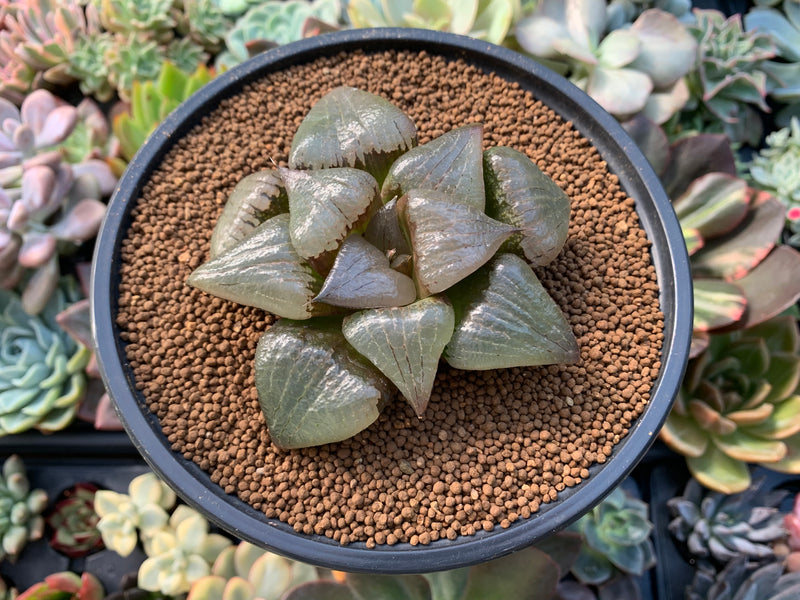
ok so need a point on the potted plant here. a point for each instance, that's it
(506, 457)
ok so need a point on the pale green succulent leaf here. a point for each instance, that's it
(718, 471)
(447, 584)
(224, 565)
(243, 556)
(783, 375)
(493, 21)
(752, 354)
(592, 567)
(619, 48)
(538, 32)
(682, 434)
(271, 575)
(149, 489)
(791, 462)
(668, 51)
(212, 546)
(714, 204)
(239, 589)
(661, 105)
(210, 587)
(619, 91)
(741, 445)
(716, 304)
(782, 423)
(384, 232)
(405, 344)
(692, 239)
(785, 34)
(389, 587)
(321, 590)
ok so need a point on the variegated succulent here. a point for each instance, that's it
(65, 585)
(627, 71)
(417, 295)
(73, 522)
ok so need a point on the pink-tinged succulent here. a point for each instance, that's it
(65, 586)
(73, 522)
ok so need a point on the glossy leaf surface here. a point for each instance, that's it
(384, 230)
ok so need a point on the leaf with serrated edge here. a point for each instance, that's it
(520, 194)
(361, 277)
(324, 207)
(313, 387)
(441, 260)
(405, 343)
(452, 164)
(256, 198)
(264, 271)
(349, 127)
(505, 318)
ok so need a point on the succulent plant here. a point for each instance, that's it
(47, 205)
(180, 553)
(716, 527)
(737, 404)
(739, 580)
(791, 521)
(143, 508)
(65, 586)
(87, 64)
(151, 18)
(73, 522)
(490, 21)
(246, 572)
(616, 535)
(622, 13)
(271, 23)
(20, 509)
(627, 71)
(314, 262)
(43, 379)
(152, 101)
(204, 23)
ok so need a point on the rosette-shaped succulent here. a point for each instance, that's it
(180, 553)
(42, 379)
(65, 586)
(152, 18)
(143, 508)
(738, 404)
(616, 535)
(716, 527)
(204, 22)
(73, 522)
(246, 572)
(490, 21)
(740, 580)
(622, 13)
(419, 294)
(627, 71)
(20, 509)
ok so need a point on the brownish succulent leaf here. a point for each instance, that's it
(563, 548)
(520, 194)
(256, 198)
(752, 416)
(700, 341)
(695, 156)
(652, 141)
(451, 163)
(717, 303)
(349, 127)
(709, 419)
(321, 590)
(771, 287)
(384, 232)
(713, 205)
(441, 261)
(361, 277)
(389, 587)
(514, 576)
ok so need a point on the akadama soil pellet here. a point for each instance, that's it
(494, 445)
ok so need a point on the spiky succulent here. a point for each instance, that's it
(626, 71)
(418, 294)
(47, 205)
(65, 586)
(740, 580)
(246, 572)
(738, 404)
(73, 522)
(715, 527)
(180, 553)
(616, 535)
(490, 21)
(20, 509)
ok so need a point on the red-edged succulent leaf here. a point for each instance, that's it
(771, 287)
(695, 156)
(717, 304)
(713, 205)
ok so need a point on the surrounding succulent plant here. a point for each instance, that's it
(626, 71)
(73, 522)
(204, 23)
(488, 20)
(622, 13)
(152, 101)
(246, 572)
(180, 553)
(65, 586)
(20, 509)
(616, 535)
(738, 404)
(143, 508)
(716, 528)
(333, 376)
(739, 580)
(152, 18)
(42, 379)
(792, 523)
(271, 23)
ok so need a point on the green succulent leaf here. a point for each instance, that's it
(384, 231)
(713, 204)
(321, 590)
(563, 548)
(718, 471)
(389, 587)
(783, 376)
(514, 576)
(451, 164)
(692, 239)
(520, 194)
(592, 567)
(752, 354)
(782, 422)
(791, 462)
(361, 277)
(446, 585)
(313, 387)
(505, 318)
(716, 304)
(684, 435)
(619, 91)
(741, 445)
(667, 50)
(256, 198)
(405, 343)
(351, 128)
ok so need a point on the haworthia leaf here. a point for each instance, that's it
(264, 271)
(505, 318)
(405, 343)
(256, 198)
(313, 387)
(440, 260)
(520, 194)
(452, 164)
(384, 232)
(351, 128)
(324, 207)
(361, 277)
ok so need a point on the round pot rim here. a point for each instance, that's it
(242, 520)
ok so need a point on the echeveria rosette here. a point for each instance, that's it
(741, 580)
(738, 404)
(324, 380)
(20, 509)
(73, 522)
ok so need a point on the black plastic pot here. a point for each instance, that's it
(237, 517)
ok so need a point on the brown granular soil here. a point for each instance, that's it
(494, 445)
